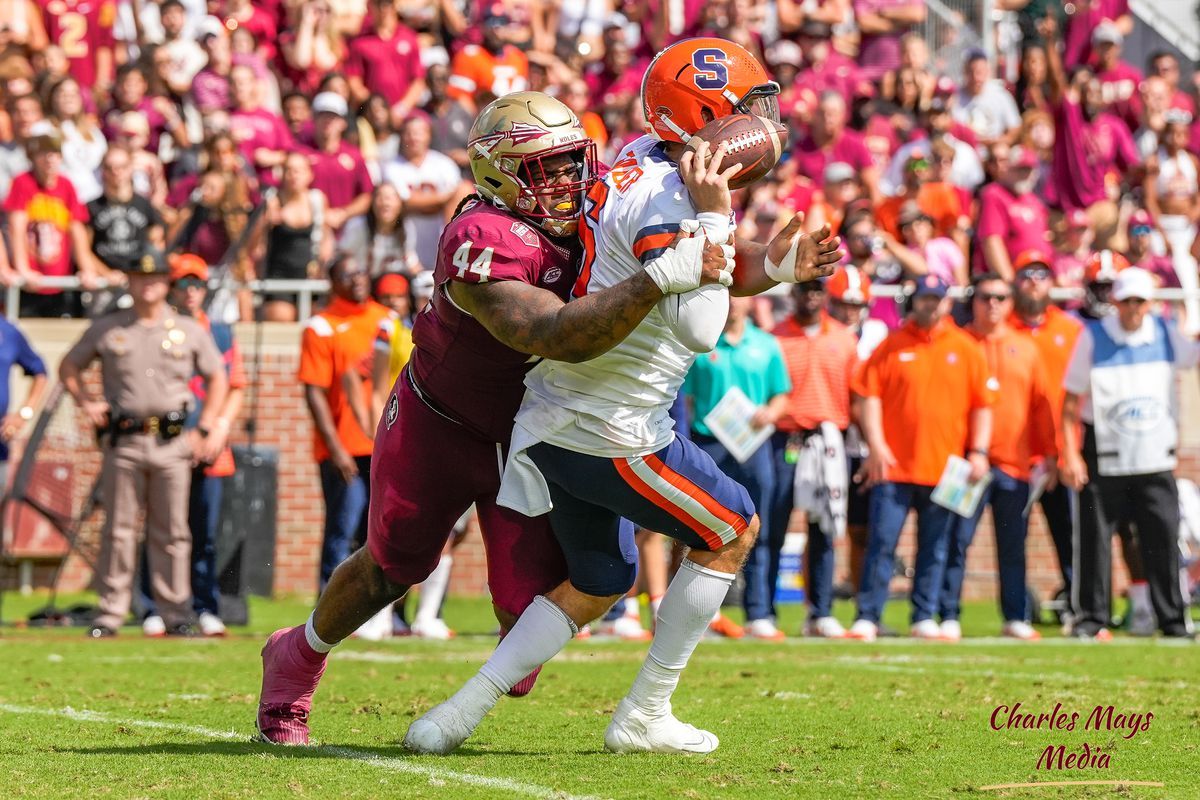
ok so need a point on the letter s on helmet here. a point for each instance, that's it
(508, 146)
(696, 81)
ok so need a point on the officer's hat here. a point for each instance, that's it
(150, 262)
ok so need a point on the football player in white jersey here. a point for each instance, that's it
(593, 443)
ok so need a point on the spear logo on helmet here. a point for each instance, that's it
(519, 133)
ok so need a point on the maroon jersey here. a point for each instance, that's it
(81, 28)
(460, 368)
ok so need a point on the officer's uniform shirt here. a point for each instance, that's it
(146, 368)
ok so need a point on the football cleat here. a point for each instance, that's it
(633, 730)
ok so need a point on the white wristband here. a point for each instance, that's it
(785, 271)
(717, 227)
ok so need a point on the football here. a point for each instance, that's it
(754, 143)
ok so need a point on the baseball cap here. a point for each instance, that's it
(150, 262)
(1030, 260)
(43, 138)
(185, 265)
(1133, 282)
(1141, 219)
(931, 286)
(938, 105)
(330, 103)
(784, 51)
(1078, 218)
(1023, 157)
(849, 285)
(496, 15)
(422, 284)
(209, 26)
(838, 171)
(1107, 33)
(391, 283)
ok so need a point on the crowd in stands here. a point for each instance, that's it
(266, 136)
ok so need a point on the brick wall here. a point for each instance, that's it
(284, 424)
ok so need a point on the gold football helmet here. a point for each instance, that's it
(529, 155)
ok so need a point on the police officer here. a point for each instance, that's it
(1121, 385)
(148, 354)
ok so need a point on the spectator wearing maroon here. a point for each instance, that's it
(84, 31)
(1118, 80)
(1093, 150)
(1031, 90)
(185, 57)
(882, 24)
(131, 94)
(250, 16)
(298, 116)
(1155, 96)
(783, 59)
(338, 167)
(1012, 218)
(46, 230)
(1141, 253)
(210, 87)
(1163, 64)
(823, 69)
(313, 49)
(1070, 257)
(865, 250)
(984, 104)
(386, 61)
(828, 140)
(616, 79)
(827, 202)
(1089, 14)
(262, 136)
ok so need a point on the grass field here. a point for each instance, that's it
(172, 718)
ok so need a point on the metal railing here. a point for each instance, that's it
(304, 290)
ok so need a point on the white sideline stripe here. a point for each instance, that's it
(681, 500)
(375, 760)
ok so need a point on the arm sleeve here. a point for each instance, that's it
(1078, 378)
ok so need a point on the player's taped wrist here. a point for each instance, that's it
(680, 266)
(716, 226)
(785, 270)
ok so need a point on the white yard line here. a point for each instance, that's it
(390, 764)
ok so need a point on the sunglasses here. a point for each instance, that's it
(990, 297)
(917, 164)
(190, 283)
(1034, 275)
(1140, 230)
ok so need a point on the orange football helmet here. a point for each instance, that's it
(695, 81)
(849, 285)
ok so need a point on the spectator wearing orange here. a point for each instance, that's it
(337, 340)
(925, 398)
(576, 97)
(1022, 436)
(1054, 332)
(481, 72)
(939, 200)
(820, 354)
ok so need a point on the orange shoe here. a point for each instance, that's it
(724, 626)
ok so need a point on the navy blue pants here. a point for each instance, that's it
(599, 502)
(758, 476)
(890, 504)
(345, 513)
(1007, 497)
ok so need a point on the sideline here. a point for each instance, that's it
(391, 764)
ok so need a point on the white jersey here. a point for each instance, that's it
(616, 405)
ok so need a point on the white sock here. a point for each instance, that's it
(314, 641)
(694, 596)
(433, 590)
(633, 608)
(541, 632)
(1139, 595)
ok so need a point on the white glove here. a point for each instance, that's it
(678, 269)
(784, 272)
